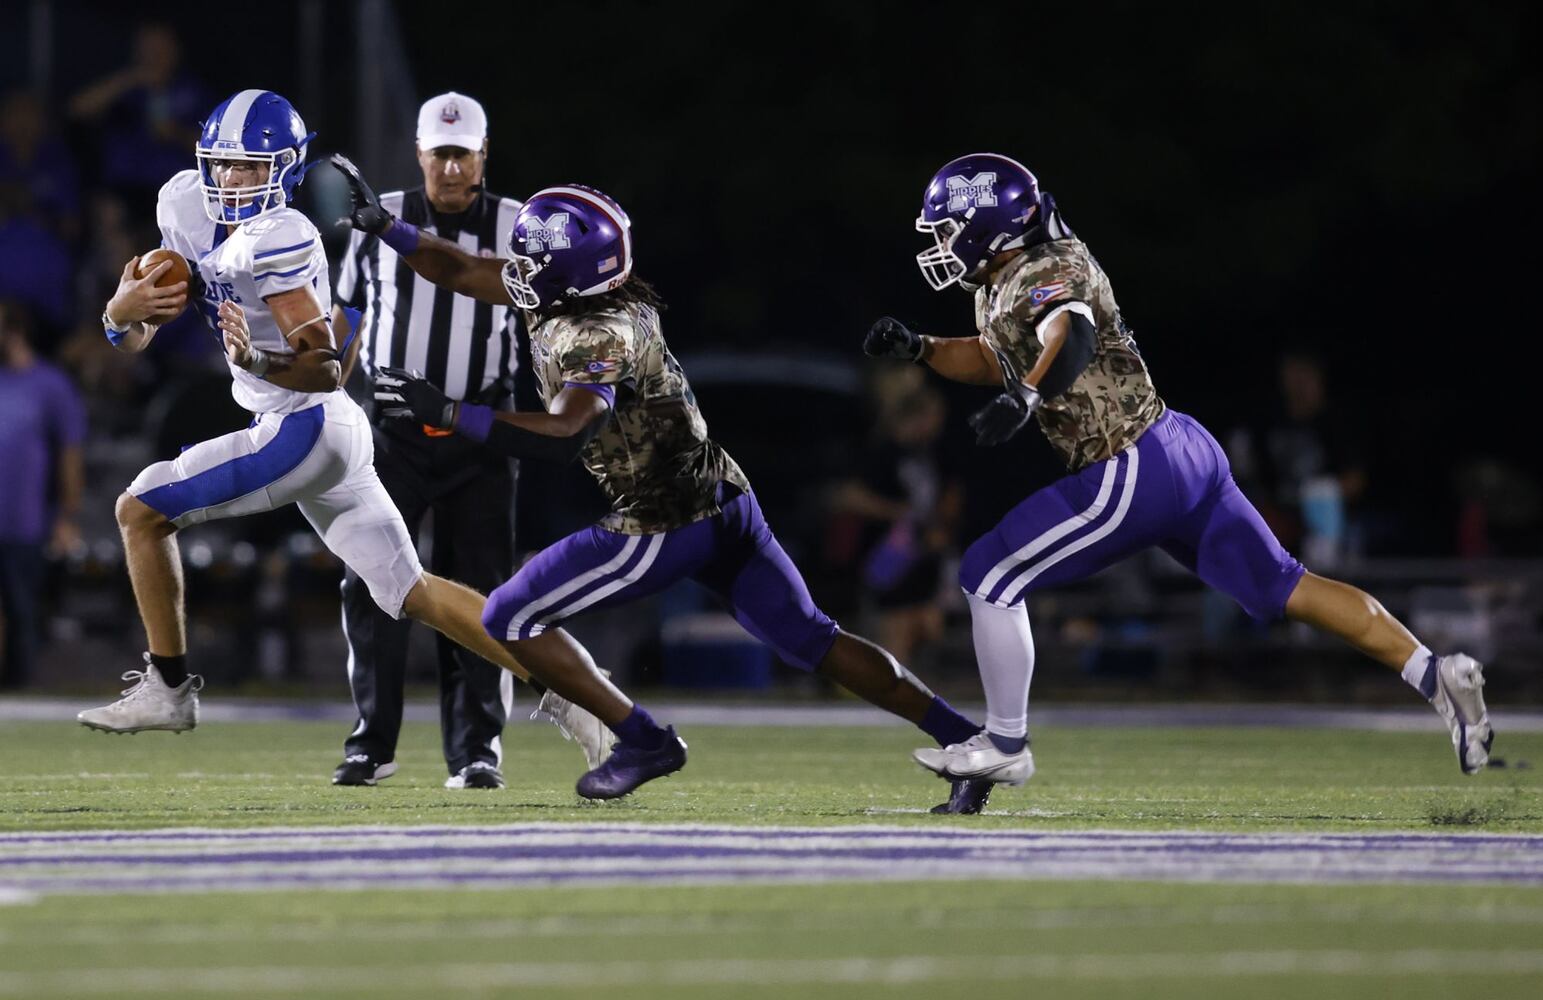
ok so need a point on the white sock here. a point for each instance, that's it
(1004, 650)
(1414, 670)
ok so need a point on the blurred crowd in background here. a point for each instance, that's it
(868, 472)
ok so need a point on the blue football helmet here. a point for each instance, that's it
(567, 241)
(974, 208)
(256, 126)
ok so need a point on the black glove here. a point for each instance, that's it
(402, 393)
(889, 338)
(1004, 416)
(367, 214)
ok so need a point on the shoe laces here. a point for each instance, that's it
(138, 681)
(357, 758)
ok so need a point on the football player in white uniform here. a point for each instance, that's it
(262, 276)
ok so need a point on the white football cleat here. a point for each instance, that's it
(150, 704)
(978, 757)
(578, 724)
(1459, 700)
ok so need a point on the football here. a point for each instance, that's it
(178, 271)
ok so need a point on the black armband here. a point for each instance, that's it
(518, 442)
(1073, 358)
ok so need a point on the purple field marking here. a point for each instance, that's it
(596, 855)
(581, 848)
(804, 874)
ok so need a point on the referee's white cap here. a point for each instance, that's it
(451, 120)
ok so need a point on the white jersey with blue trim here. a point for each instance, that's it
(278, 252)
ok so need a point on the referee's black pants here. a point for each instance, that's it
(471, 492)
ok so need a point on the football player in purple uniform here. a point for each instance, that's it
(1051, 339)
(681, 507)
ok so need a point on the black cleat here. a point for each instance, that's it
(967, 797)
(359, 769)
(477, 774)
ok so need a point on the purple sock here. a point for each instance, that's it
(1009, 744)
(640, 730)
(1428, 682)
(945, 725)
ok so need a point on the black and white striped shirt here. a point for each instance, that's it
(461, 345)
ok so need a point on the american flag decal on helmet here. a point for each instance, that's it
(1044, 293)
(609, 264)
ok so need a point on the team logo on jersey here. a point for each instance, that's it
(450, 113)
(1044, 293)
(979, 191)
(550, 234)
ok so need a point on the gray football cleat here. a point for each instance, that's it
(578, 724)
(148, 704)
(978, 757)
(1459, 699)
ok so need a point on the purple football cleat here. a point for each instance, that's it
(630, 766)
(967, 797)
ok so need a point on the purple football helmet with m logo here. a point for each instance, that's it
(974, 208)
(567, 241)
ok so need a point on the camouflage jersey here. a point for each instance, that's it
(1113, 401)
(652, 458)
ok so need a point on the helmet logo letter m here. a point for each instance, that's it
(550, 234)
(966, 192)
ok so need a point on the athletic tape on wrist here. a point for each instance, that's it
(401, 237)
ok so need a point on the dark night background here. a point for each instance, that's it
(1356, 179)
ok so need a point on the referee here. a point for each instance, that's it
(467, 349)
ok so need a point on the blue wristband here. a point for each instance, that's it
(114, 337)
(401, 237)
(474, 420)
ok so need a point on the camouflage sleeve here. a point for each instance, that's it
(595, 353)
(1049, 286)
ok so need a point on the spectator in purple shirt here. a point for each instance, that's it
(42, 426)
(35, 159)
(35, 266)
(146, 114)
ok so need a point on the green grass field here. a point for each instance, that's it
(933, 939)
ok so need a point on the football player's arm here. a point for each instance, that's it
(314, 366)
(141, 307)
(962, 359)
(1069, 340)
(558, 435)
(447, 265)
(439, 261)
(1067, 336)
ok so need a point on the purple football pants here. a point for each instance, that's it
(1173, 488)
(733, 554)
